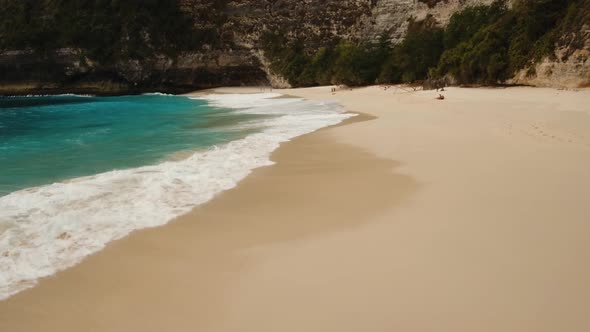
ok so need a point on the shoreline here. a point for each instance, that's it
(63, 229)
(460, 215)
(65, 286)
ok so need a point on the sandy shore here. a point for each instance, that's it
(469, 214)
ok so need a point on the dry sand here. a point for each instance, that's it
(469, 214)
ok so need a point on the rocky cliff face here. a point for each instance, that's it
(321, 22)
(68, 70)
(569, 66)
(391, 17)
(237, 58)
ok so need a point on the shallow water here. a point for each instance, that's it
(49, 139)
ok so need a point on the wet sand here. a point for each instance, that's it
(177, 277)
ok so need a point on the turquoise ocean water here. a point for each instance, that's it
(79, 172)
(49, 139)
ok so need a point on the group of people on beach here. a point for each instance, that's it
(387, 87)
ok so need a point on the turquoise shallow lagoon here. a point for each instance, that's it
(50, 139)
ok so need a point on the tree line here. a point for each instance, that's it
(480, 45)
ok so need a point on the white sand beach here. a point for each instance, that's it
(468, 214)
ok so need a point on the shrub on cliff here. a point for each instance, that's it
(358, 64)
(420, 51)
(465, 24)
(488, 44)
(345, 63)
(481, 44)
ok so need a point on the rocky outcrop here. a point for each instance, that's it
(573, 72)
(67, 70)
(391, 17)
(568, 67)
(319, 21)
(316, 22)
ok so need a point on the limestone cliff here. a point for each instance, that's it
(569, 66)
(390, 17)
(236, 57)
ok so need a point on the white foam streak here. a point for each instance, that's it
(158, 94)
(58, 95)
(47, 229)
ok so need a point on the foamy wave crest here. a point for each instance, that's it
(158, 94)
(47, 229)
(58, 95)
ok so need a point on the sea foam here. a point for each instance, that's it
(58, 95)
(47, 229)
